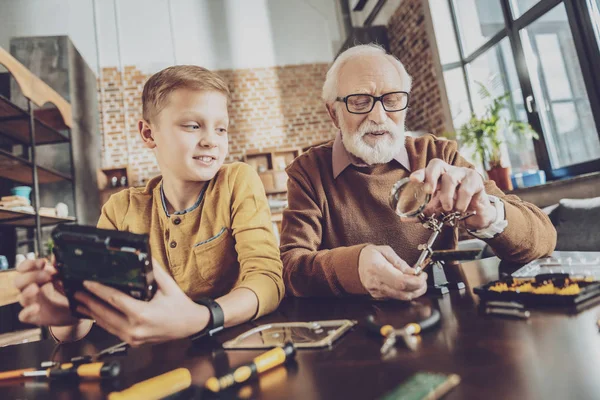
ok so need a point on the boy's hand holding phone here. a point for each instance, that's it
(169, 315)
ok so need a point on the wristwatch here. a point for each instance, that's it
(498, 226)
(217, 318)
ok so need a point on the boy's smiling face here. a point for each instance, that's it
(189, 135)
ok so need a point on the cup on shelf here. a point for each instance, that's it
(22, 191)
(62, 210)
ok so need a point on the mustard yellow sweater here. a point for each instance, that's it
(225, 241)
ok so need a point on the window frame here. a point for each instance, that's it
(588, 53)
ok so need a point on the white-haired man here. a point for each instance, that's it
(339, 235)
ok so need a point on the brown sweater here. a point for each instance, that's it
(329, 221)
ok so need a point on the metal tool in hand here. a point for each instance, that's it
(409, 333)
(408, 200)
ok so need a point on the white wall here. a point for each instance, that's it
(49, 18)
(151, 34)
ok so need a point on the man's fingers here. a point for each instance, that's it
(413, 283)
(394, 278)
(471, 184)
(31, 265)
(117, 299)
(389, 291)
(418, 176)
(434, 170)
(25, 279)
(390, 255)
(448, 184)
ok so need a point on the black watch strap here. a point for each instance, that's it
(217, 318)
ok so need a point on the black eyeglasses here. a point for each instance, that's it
(364, 103)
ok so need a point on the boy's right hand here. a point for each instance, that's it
(42, 303)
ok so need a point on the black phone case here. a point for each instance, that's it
(121, 260)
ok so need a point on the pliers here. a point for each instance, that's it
(408, 333)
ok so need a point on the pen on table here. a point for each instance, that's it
(67, 370)
(270, 359)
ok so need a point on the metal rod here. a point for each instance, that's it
(36, 183)
(374, 12)
(73, 175)
(36, 193)
(348, 28)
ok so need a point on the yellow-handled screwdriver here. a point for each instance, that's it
(68, 371)
(264, 362)
(156, 388)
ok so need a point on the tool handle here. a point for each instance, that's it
(14, 374)
(430, 321)
(377, 329)
(89, 371)
(156, 388)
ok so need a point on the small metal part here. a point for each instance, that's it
(389, 343)
(35, 374)
(523, 314)
(505, 304)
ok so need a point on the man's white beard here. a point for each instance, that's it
(384, 150)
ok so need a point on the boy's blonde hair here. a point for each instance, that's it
(160, 85)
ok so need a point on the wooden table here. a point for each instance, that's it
(554, 355)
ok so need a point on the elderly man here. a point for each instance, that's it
(340, 236)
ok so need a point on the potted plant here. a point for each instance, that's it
(484, 135)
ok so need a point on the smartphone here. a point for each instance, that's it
(121, 260)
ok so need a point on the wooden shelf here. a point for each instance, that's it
(20, 170)
(270, 165)
(14, 123)
(275, 159)
(25, 219)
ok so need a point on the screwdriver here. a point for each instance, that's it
(264, 362)
(68, 371)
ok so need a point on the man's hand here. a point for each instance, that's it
(456, 189)
(42, 303)
(387, 276)
(169, 315)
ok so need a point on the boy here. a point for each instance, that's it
(209, 227)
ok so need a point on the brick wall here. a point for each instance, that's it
(271, 107)
(409, 42)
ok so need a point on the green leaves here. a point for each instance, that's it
(484, 133)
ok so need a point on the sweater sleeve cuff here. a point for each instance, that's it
(264, 288)
(510, 238)
(345, 264)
